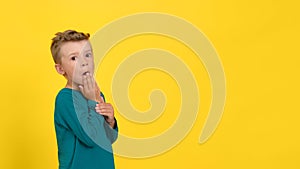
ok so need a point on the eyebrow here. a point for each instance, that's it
(73, 53)
(88, 50)
(76, 53)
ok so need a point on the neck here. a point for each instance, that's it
(71, 85)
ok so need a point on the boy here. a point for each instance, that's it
(85, 125)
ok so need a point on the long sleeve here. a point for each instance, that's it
(78, 115)
(83, 139)
(112, 133)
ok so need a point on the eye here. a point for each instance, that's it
(88, 55)
(73, 58)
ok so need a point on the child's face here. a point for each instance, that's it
(76, 60)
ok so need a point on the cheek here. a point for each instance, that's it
(92, 63)
(70, 70)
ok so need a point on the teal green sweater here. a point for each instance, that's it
(83, 136)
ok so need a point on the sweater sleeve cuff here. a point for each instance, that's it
(116, 125)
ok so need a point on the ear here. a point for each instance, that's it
(60, 69)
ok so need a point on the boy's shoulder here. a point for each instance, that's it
(64, 93)
(69, 100)
(67, 94)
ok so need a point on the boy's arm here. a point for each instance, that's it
(91, 91)
(80, 117)
(73, 113)
(111, 130)
(107, 110)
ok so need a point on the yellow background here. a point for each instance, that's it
(258, 44)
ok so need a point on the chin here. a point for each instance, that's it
(76, 82)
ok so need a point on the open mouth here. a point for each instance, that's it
(85, 73)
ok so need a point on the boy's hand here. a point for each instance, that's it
(98, 93)
(89, 88)
(107, 110)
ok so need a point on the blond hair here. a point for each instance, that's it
(61, 37)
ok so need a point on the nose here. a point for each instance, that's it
(83, 62)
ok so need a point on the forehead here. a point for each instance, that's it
(77, 47)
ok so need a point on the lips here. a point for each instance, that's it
(85, 73)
